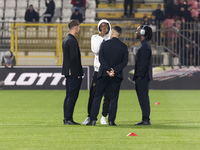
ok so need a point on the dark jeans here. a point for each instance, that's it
(73, 85)
(47, 19)
(142, 89)
(114, 84)
(126, 3)
(92, 93)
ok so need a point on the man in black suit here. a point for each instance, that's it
(49, 13)
(143, 71)
(73, 71)
(113, 57)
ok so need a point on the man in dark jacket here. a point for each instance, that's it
(77, 16)
(143, 71)
(31, 15)
(188, 15)
(113, 57)
(159, 14)
(169, 8)
(181, 8)
(78, 4)
(73, 71)
(49, 13)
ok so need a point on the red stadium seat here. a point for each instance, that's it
(194, 3)
(194, 13)
(169, 23)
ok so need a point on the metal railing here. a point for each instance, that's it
(177, 44)
(41, 44)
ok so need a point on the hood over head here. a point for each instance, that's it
(104, 21)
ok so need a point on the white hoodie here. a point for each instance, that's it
(96, 41)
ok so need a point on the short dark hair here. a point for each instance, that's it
(148, 32)
(118, 29)
(76, 10)
(73, 23)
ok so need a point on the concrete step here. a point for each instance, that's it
(120, 14)
(122, 10)
(135, 1)
(135, 6)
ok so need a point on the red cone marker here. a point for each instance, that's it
(132, 134)
(158, 103)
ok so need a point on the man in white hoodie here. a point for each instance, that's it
(104, 29)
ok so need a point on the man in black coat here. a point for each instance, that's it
(113, 57)
(159, 13)
(49, 13)
(77, 16)
(181, 8)
(143, 71)
(31, 15)
(73, 71)
(169, 8)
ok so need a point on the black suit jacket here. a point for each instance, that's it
(29, 16)
(71, 57)
(113, 54)
(143, 61)
(50, 8)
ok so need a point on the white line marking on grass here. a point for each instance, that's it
(185, 124)
(23, 124)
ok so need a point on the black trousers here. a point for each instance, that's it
(102, 83)
(142, 89)
(73, 85)
(92, 93)
(47, 19)
(126, 3)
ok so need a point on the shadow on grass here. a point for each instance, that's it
(158, 125)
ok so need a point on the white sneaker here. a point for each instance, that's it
(103, 120)
(87, 120)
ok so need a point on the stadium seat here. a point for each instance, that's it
(58, 3)
(91, 4)
(1, 4)
(194, 13)
(22, 4)
(194, 4)
(1, 14)
(67, 4)
(20, 13)
(66, 13)
(10, 4)
(35, 3)
(169, 23)
(9, 13)
(42, 5)
(90, 15)
(66, 19)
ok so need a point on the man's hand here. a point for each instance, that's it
(111, 73)
(103, 32)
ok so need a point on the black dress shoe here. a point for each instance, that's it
(143, 123)
(70, 122)
(111, 123)
(91, 123)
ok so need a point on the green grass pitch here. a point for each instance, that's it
(32, 119)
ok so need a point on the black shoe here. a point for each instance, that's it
(70, 122)
(143, 123)
(124, 16)
(91, 123)
(111, 123)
